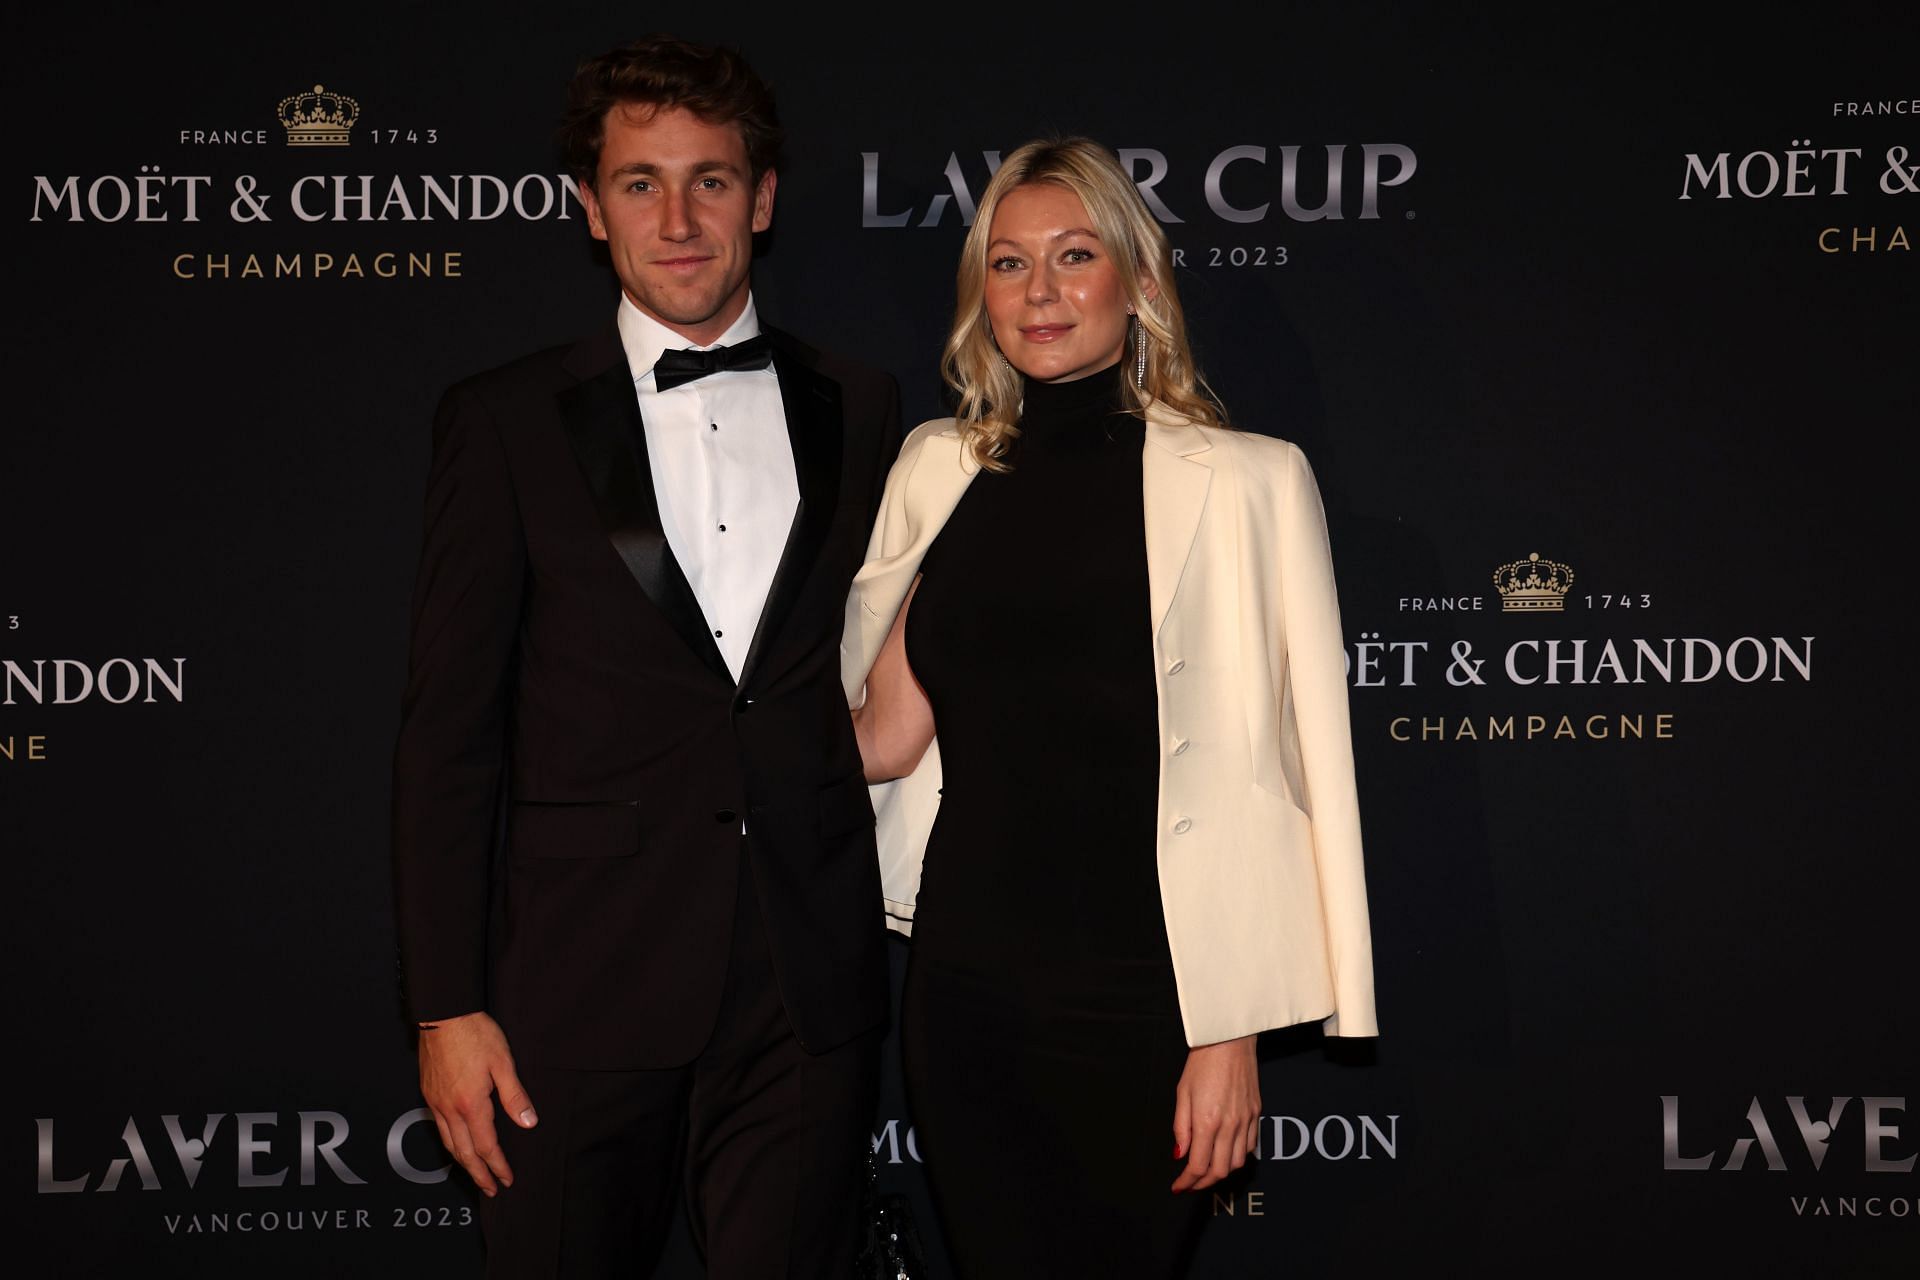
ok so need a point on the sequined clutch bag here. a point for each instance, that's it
(891, 1247)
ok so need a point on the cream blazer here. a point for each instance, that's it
(1258, 842)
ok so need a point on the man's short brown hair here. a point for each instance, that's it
(713, 82)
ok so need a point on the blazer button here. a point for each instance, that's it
(725, 815)
(1183, 826)
(1180, 745)
(1174, 667)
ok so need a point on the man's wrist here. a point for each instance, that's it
(435, 1024)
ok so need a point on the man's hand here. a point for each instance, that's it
(462, 1062)
(1216, 1112)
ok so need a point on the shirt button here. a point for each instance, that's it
(1174, 667)
(1183, 826)
(716, 635)
(1180, 745)
(723, 528)
(726, 816)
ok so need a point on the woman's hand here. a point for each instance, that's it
(1216, 1112)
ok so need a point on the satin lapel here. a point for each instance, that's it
(1176, 479)
(814, 431)
(609, 439)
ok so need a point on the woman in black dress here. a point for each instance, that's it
(1046, 1051)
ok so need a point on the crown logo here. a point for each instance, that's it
(1533, 585)
(318, 118)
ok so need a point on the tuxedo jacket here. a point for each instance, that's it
(575, 763)
(1258, 838)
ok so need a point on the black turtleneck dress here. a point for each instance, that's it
(1041, 1030)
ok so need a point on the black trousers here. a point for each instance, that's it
(766, 1141)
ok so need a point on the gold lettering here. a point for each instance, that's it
(1898, 240)
(1824, 233)
(1598, 726)
(1228, 1202)
(386, 264)
(1867, 240)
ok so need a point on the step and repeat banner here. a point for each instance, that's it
(1599, 330)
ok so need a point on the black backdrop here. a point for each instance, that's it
(1611, 963)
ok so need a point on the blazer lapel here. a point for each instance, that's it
(1176, 480)
(811, 402)
(609, 439)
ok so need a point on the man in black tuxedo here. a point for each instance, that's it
(631, 836)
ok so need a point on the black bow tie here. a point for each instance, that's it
(676, 367)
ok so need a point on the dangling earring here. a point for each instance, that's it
(1139, 354)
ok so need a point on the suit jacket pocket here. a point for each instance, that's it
(544, 830)
(1275, 783)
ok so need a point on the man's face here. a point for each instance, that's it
(676, 203)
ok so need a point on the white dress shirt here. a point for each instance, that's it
(722, 473)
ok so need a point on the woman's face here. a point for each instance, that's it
(1055, 300)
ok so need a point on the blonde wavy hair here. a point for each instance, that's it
(989, 387)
